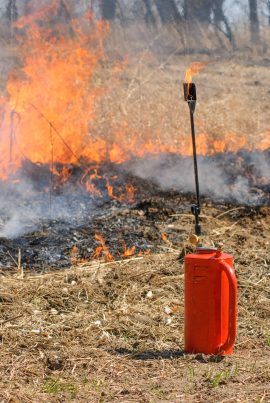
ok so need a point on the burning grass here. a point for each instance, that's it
(98, 109)
(114, 331)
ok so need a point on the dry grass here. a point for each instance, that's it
(92, 333)
(146, 100)
(95, 333)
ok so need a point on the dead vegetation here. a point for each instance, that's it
(100, 332)
(114, 332)
(147, 100)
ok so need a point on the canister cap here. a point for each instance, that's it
(207, 252)
(206, 249)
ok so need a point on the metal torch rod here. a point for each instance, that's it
(195, 157)
(191, 97)
(196, 209)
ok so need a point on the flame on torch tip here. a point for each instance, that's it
(194, 69)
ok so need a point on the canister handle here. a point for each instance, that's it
(232, 307)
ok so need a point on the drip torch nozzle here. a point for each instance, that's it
(191, 97)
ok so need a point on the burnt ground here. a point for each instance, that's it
(51, 223)
(113, 331)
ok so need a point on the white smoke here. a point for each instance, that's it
(25, 208)
(262, 165)
(177, 173)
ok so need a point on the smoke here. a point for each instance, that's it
(25, 208)
(262, 165)
(31, 202)
(218, 181)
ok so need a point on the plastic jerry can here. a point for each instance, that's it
(210, 302)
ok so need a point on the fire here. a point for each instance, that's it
(128, 251)
(100, 185)
(74, 254)
(164, 237)
(127, 194)
(194, 69)
(50, 108)
(48, 114)
(51, 101)
(90, 181)
(130, 192)
(63, 174)
(264, 142)
(102, 250)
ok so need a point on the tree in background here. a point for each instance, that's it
(220, 18)
(149, 14)
(26, 4)
(12, 15)
(108, 9)
(64, 16)
(12, 11)
(254, 21)
(168, 11)
(63, 11)
(199, 10)
(208, 12)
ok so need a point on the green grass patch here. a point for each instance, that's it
(55, 387)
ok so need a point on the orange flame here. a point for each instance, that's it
(38, 15)
(51, 105)
(63, 175)
(127, 195)
(128, 251)
(51, 101)
(164, 237)
(74, 254)
(102, 250)
(90, 184)
(194, 69)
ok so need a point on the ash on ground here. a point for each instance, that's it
(54, 223)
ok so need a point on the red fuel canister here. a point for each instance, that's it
(210, 302)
